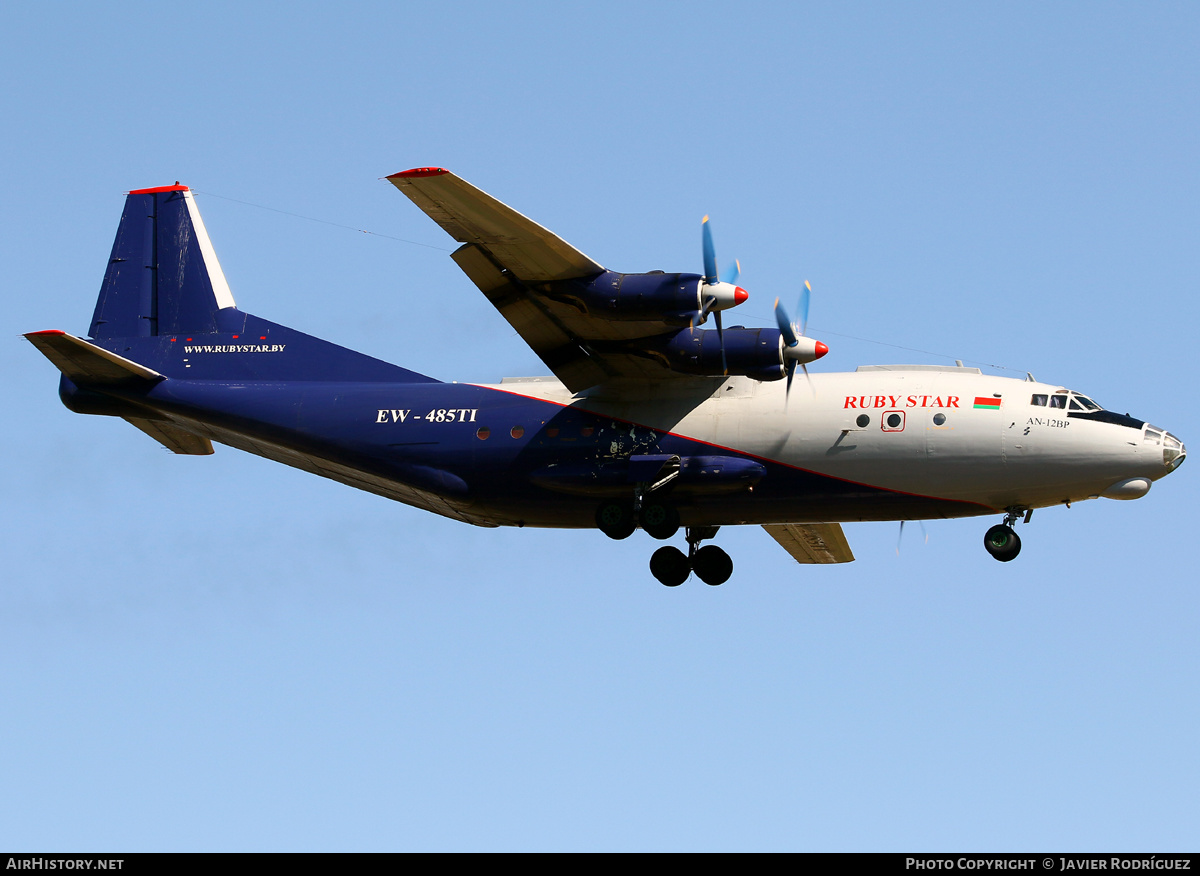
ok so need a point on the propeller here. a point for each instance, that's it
(900, 537)
(797, 349)
(716, 296)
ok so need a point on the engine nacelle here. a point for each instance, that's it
(676, 299)
(756, 353)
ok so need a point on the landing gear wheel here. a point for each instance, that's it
(660, 521)
(712, 565)
(615, 519)
(1001, 542)
(670, 566)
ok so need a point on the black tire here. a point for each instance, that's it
(660, 521)
(712, 565)
(669, 565)
(615, 519)
(1002, 542)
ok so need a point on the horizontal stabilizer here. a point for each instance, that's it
(172, 437)
(531, 252)
(86, 364)
(812, 542)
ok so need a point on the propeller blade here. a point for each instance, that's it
(710, 254)
(785, 325)
(802, 307)
(735, 271)
(721, 341)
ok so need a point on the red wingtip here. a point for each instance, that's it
(46, 332)
(821, 349)
(739, 295)
(419, 171)
(175, 188)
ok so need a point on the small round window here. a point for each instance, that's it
(894, 420)
(939, 419)
(863, 421)
(482, 433)
(517, 431)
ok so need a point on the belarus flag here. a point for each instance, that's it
(987, 404)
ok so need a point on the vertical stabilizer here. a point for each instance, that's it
(163, 276)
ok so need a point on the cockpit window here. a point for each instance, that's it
(1058, 401)
(1086, 403)
(1039, 400)
(1153, 436)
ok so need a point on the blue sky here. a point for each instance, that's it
(223, 653)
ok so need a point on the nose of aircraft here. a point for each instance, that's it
(1174, 453)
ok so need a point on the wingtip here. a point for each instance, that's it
(418, 171)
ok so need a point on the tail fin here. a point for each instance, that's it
(165, 304)
(163, 276)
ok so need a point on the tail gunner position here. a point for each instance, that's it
(650, 420)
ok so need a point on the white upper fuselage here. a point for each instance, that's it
(947, 433)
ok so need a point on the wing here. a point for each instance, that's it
(520, 266)
(532, 253)
(812, 542)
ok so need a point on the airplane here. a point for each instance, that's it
(648, 421)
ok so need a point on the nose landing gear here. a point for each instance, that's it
(1002, 541)
(671, 567)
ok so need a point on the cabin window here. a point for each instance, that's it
(1039, 400)
(482, 433)
(939, 419)
(863, 421)
(517, 431)
(1058, 401)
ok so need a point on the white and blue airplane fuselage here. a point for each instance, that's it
(647, 422)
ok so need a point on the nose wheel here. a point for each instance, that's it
(1002, 541)
(671, 566)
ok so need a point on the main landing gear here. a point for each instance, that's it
(1002, 541)
(669, 565)
(711, 564)
(619, 519)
